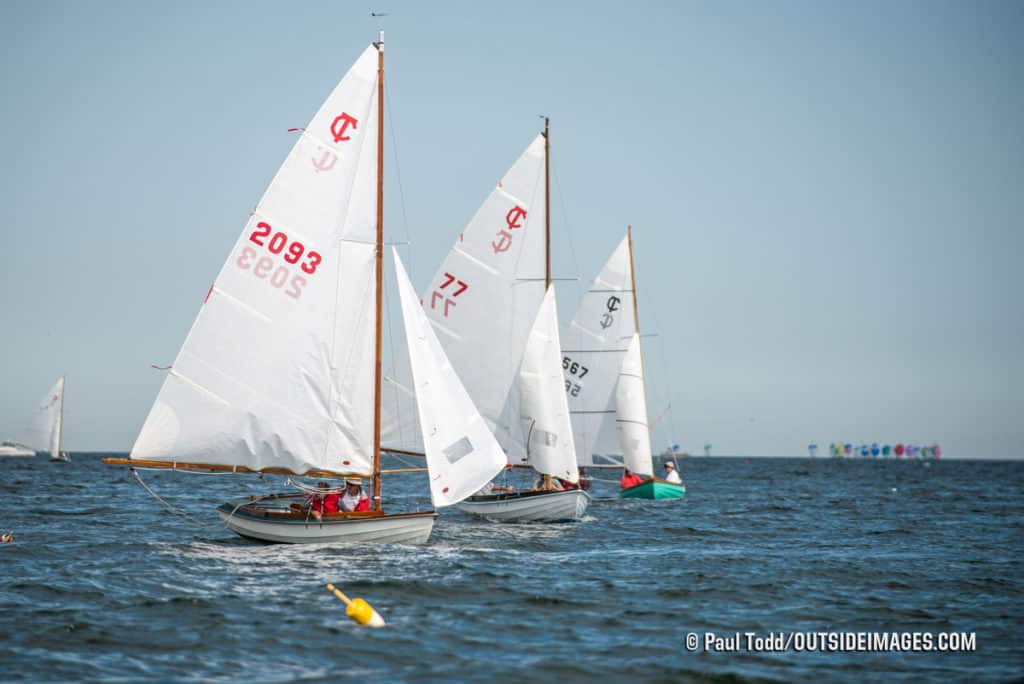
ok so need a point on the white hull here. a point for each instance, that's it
(564, 506)
(11, 450)
(399, 528)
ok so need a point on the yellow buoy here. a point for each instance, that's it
(358, 609)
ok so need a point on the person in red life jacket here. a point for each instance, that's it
(355, 499)
(630, 479)
(323, 502)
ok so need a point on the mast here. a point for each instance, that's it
(380, 270)
(636, 324)
(547, 204)
(547, 235)
(632, 278)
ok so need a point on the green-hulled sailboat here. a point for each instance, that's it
(604, 377)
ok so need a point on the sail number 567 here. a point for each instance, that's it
(573, 367)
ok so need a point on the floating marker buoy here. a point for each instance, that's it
(8, 537)
(358, 609)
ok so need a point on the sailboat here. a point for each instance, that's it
(604, 378)
(45, 430)
(493, 306)
(281, 371)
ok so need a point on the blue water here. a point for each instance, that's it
(102, 583)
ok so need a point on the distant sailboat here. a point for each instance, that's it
(45, 431)
(281, 372)
(604, 378)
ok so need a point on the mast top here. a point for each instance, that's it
(379, 43)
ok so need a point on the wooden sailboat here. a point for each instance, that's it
(604, 377)
(281, 372)
(45, 431)
(493, 306)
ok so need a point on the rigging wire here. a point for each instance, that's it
(167, 505)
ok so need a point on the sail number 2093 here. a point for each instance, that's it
(265, 268)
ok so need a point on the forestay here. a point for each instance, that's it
(594, 349)
(44, 430)
(631, 412)
(277, 370)
(482, 303)
(462, 454)
(543, 408)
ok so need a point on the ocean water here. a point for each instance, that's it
(102, 583)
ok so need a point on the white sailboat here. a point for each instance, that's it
(281, 371)
(45, 430)
(604, 378)
(494, 310)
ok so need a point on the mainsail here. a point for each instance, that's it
(593, 353)
(278, 368)
(482, 303)
(462, 454)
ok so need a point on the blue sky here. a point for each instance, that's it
(826, 197)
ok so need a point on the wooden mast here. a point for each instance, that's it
(547, 204)
(380, 271)
(636, 325)
(547, 229)
(632, 283)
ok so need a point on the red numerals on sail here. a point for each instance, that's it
(266, 267)
(438, 296)
(513, 220)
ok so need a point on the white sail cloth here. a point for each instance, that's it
(482, 302)
(543, 408)
(277, 370)
(44, 430)
(631, 412)
(462, 454)
(593, 352)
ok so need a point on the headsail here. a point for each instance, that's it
(277, 370)
(482, 303)
(462, 454)
(44, 430)
(631, 412)
(593, 353)
(543, 408)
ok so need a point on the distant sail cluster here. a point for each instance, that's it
(874, 450)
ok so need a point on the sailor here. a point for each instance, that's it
(354, 499)
(670, 473)
(630, 479)
(323, 501)
(494, 488)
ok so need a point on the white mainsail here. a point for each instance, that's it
(631, 412)
(462, 454)
(482, 303)
(277, 370)
(595, 347)
(44, 430)
(544, 410)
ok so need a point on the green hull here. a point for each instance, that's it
(654, 489)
